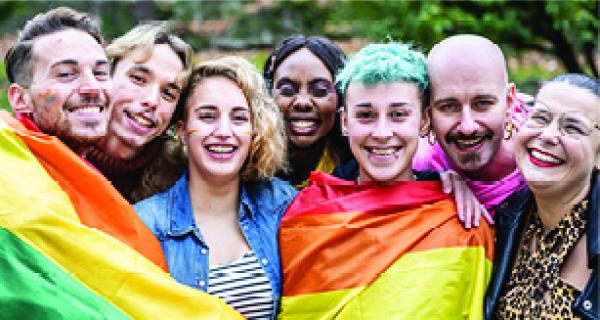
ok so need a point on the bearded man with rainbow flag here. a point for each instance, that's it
(389, 245)
(71, 246)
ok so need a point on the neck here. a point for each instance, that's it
(115, 147)
(210, 198)
(553, 205)
(501, 165)
(303, 160)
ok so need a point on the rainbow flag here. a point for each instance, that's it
(353, 251)
(72, 248)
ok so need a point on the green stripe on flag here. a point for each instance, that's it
(33, 287)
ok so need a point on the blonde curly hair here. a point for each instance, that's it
(268, 150)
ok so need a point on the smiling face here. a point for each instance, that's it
(145, 95)
(69, 91)
(303, 89)
(469, 111)
(383, 122)
(218, 129)
(550, 157)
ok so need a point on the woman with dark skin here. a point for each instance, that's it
(300, 72)
(546, 266)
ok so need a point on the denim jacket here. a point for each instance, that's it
(169, 215)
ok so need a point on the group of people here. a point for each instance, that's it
(331, 187)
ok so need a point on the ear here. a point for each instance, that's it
(344, 121)
(19, 99)
(511, 99)
(425, 122)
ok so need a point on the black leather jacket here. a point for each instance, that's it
(510, 223)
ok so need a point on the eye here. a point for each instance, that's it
(399, 114)
(207, 115)
(288, 90)
(449, 107)
(137, 79)
(169, 94)
(483, 104)
(365, 115)
(575, 128)
(66, 75)
(541, 118)
(320, 89)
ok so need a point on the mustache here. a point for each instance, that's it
(453, 136)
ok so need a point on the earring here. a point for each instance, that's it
(431, 139)
(508, 131)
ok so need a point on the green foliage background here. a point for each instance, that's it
(565, 30)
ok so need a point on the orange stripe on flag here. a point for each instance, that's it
(96, 202)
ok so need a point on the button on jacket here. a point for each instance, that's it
(170, 217)
(510, 220)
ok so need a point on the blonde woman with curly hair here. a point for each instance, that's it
(218, 224)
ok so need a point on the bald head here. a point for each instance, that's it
(467, 56)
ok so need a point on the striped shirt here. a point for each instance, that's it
(244, 285)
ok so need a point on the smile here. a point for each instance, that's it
(140, 120)
(221, 149)
(471, 144)
(382, 153)
(303, 127)
(87, 109)
(544, 159)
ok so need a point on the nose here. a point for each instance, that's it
(223, 128)
(89, 84)
(150, 99)
(551, 133)
(467, 125)
(302, 102)
(382, 129)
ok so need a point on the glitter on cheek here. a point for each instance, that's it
(48, 96)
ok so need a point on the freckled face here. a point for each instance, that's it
(383, 123)
(303, 89)
(70, 88)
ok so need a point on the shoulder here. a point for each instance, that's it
(269, 195)
(153, 210)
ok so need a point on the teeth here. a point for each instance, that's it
(89, 110)
(470, 142)
(385, 152)
(220, 149)
(544, 157)
(303, 123)
(143, 121)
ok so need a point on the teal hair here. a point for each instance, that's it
(385, 63)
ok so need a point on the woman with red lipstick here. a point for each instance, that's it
(300, 72)
(547, 234)
(218, 224)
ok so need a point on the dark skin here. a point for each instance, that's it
(304, 160)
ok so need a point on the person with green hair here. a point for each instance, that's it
(387, 245)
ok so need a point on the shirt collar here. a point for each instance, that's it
(181, 214)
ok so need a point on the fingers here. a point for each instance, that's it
(468, 208)
(446, 182)
(487, 215)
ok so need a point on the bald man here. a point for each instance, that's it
(471, 110)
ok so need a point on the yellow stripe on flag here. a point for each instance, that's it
(446, 283)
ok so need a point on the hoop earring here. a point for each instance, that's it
(431, 138)
(508, 131)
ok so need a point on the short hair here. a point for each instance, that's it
(145, 37)
(268, 150)
(578, 80)
(386, 63)
(19, 60)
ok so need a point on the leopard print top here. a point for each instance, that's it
(535, 289)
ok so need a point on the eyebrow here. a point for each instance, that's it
(286, 79)
(315, 80)
(73, 62)
(207, 106)
(444, 100)
(141, 68)
(486, 96)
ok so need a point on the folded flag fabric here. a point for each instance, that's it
(71, 248)
(369, 251)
